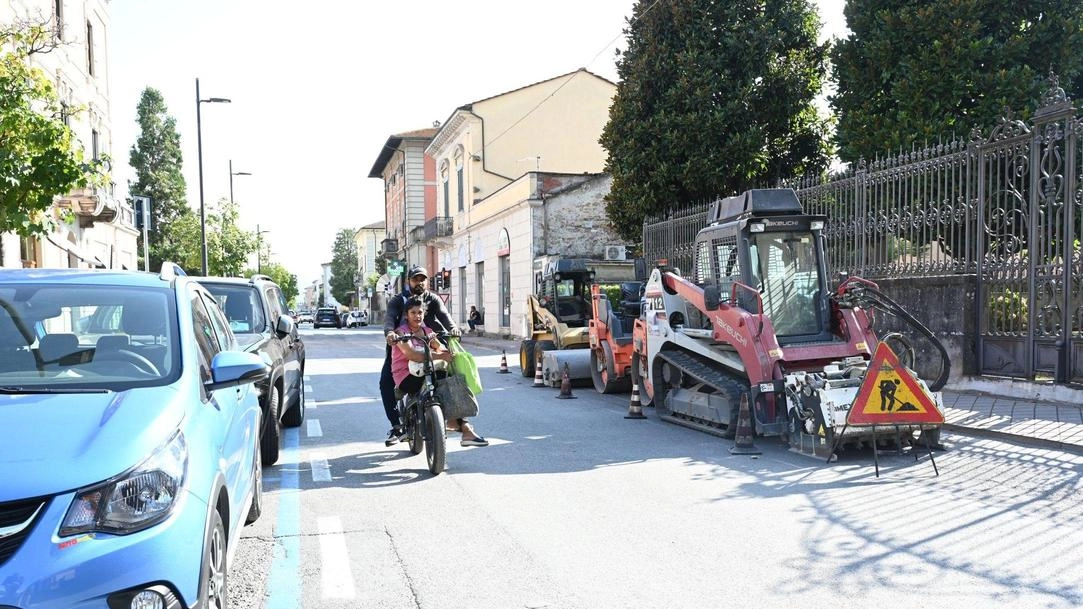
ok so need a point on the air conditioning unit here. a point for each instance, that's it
(614, 252)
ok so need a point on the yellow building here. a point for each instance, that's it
(520, 175)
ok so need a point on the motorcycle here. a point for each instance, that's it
(422, 414)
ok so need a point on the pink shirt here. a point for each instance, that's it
(400, 365)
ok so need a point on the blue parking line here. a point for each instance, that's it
(284, 588)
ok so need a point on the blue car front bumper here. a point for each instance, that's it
(83, 571)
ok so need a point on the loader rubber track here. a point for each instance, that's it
(701, 370)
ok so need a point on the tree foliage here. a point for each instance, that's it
(714, 98)
(913, 71)
(228, 246)
(157, 160)
(39, 156)
(344, 266)
(278, 274)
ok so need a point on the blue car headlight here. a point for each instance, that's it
(135, 500)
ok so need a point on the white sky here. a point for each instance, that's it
(317, 87)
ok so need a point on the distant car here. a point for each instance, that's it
(131, 454)
(257, 314)
(356, 319)
(326, 316)
(304, 317)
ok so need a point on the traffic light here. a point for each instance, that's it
(436, 283)
(445, 278)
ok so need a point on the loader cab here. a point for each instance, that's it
(563, 288)
(767, 257)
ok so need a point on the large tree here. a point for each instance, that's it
(344, 266)
(228, 247)
(39, 156)
(714, 97)
(914, 71)
(156, 159)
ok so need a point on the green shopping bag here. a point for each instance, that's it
(464, 365)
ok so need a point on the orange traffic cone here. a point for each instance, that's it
(503, 362)
(539, 381)
(565, 386)
(742, 444)
(635, 409)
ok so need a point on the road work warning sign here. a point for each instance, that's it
(891, 396)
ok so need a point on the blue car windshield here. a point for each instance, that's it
(69, 337)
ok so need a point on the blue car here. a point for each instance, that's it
(129, 448)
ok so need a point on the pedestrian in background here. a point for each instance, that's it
(474, 319)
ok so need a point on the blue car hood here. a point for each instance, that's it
(53, 443)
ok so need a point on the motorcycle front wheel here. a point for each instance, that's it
(435, 438)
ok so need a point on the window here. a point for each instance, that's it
(206, 340)
(94, 144)
(445, 180)
(459, 174)
(89, 48)
(225, 337)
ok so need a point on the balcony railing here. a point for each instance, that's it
(434, 228)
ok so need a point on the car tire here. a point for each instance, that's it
(256, 509)
(295, 415)
(213, 590)
(271, 438)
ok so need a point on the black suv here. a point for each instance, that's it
(259, 317)
(327, 316)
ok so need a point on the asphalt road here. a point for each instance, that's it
(573, 506)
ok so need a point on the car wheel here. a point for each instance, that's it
(212, 592)
(256, 509)
(271, 438)
(295, 415)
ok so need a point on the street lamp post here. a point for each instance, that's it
(199, 147)
(259, 249)
(231, 174)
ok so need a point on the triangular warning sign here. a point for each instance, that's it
(890, 395)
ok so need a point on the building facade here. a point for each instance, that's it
(102, 233)
(368, 239)
(520, 175)
(409, 176)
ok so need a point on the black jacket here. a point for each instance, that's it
(436, 314)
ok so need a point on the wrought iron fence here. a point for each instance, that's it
(1005, 208)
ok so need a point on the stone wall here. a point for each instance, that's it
(573, 222)
(944, 304)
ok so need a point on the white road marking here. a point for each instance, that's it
(314, 429)
(334, 559)
(321, 471)
(308, 388)
(310, 404)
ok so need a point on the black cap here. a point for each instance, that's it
(417, 270)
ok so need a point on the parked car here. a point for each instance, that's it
(326, 316)
(356, 319)
(257, 314)
(130, 456)
(304, 317)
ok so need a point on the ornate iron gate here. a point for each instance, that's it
(1028, 262)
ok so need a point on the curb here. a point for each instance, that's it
(1013, 438)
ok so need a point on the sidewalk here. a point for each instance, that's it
(1027, 413)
